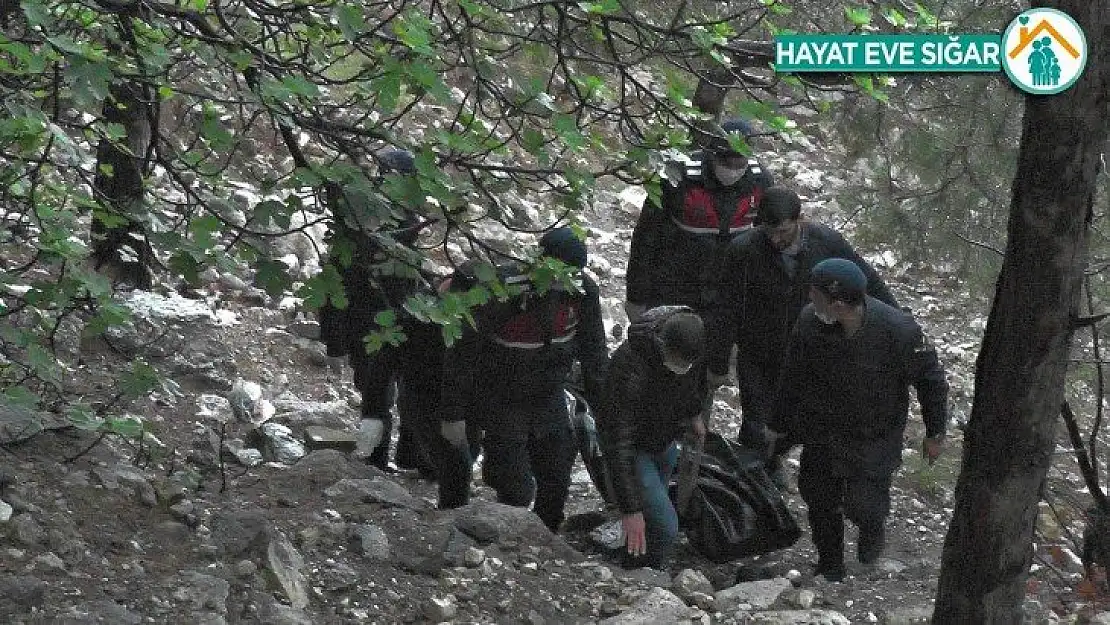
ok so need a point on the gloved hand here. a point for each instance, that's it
(719, 379)
(455, 433)
(634, 311)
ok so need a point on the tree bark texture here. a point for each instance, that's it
(123, 250)
(1020, 373)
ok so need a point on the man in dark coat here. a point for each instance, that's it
(377, 279)
(508, 379)
(656, 389)
(844, 395)
(765, 285)
(676, 248)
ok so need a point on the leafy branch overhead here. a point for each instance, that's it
(188, 136)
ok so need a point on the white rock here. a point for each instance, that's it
(760, 594)
(5, 511)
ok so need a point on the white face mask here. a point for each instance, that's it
(728, 176)
(825, 317)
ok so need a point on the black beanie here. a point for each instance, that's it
(840, 278)
(563, 244)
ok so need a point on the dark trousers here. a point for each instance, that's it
(410, 374)
(533, 468)
(831, 493)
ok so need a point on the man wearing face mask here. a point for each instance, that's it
(844, 395)
(655, 390)
(676, 248)
(765, 284)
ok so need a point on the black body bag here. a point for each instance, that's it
(735, 510)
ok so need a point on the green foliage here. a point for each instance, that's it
(263, 129)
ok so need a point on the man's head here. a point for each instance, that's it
(681, 341)
(837, 286)
(728, 164)
(778, 216)
(563, 244)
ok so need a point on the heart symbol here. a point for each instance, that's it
(1024, 19)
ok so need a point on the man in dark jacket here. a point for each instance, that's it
(765, 282)
(508, 379)
(380, 275)
(844, 395)
(655, 390)
(676, 248)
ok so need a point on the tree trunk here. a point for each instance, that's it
(121, 249)
(1019, 381)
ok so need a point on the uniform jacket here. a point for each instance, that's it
(676, 247)
(848, 397)
(515, 364)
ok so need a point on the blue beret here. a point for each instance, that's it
(837, 276)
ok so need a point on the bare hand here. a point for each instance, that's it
(931, 448)
(635, 539)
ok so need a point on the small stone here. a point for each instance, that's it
(530, 568)
(474, 557)
(609, 608)
(704, 601)
(245, 568)
(440, 609)
(320, 437)
(5, 512)
(50, 560)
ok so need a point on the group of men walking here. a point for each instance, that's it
(727, 274)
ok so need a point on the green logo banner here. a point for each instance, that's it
(888, 53)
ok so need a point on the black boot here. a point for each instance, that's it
(872, 541)
(828, 537)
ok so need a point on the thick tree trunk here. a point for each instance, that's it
(121, 249)
(1019, 381)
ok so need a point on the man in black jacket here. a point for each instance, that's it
(844, 395)
(508, 379)
(765, 282)
(656, 389)
(380, 273)
(676, 248)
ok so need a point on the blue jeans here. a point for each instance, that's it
(660, 518)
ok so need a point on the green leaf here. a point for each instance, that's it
(128, 426)
(83, 417)
(324, 286)
(602, 7)
(925, 17)
(413, 31)
(185, 265)
(108, 315)
(858, 16)
(352, 22)
(202, 228)
(567, 128)
(37, 13)
(895, 17)
(139, 380)
(272, 277)
(776, 7)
